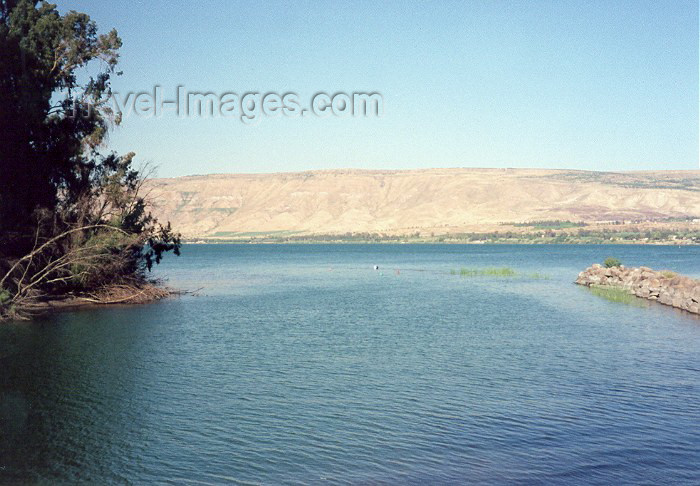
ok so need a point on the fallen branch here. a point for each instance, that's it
(30, 255)
(115, 294)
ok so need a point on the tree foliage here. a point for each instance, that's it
(56, 183)
(611, 262)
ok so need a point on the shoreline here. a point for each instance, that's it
(387, 241)
(556, 233)
(106, 297)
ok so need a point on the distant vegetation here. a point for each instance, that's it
(554, 224)
(485, 272)
(496, 272)
(550, 236)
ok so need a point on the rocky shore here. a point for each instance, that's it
(664, 286)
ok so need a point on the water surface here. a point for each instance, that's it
(301, 363)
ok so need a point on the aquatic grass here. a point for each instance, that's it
(485, 272)
(617, 294)
(497, 272)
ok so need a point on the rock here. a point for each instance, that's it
(665, 298)
(677, 291)
(695, 294)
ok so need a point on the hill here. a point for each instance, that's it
(428, 202)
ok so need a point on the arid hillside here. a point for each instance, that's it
(432, 201)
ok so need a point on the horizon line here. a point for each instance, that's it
(424, 169)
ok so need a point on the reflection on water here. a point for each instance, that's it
(303, 363)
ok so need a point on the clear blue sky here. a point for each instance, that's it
(601, 85)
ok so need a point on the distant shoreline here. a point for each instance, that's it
(311, 241)
(559, 233)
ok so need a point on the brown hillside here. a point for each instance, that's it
(402, 202)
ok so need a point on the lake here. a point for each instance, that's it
(302, 363)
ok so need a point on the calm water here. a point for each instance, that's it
(303, 364)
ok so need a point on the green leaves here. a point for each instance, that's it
(612, 262)
(43, 55)
(71, 218)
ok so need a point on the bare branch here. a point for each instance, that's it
(30, 255)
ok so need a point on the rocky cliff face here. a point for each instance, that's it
(664, 287)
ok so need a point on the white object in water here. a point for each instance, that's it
(376, 267)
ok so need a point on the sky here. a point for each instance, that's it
(594, 85)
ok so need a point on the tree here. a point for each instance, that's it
(46, 150)
(56, 184)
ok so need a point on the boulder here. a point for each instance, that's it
(665, 298)
(643, 292)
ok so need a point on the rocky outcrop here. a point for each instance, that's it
(664, 287)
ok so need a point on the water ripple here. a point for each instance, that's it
(287, 373)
